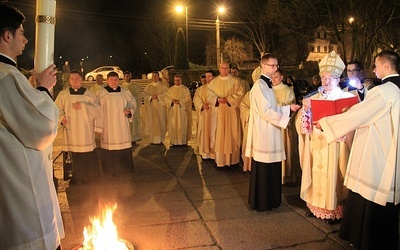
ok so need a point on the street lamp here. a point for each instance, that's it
(218, 37)
(179, 9)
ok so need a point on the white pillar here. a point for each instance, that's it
(44, 41)
(218, 43)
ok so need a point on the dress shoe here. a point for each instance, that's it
(309, 214)
(332, 221)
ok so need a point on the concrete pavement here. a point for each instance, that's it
(174, 200)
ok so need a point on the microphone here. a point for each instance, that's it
(319, 90)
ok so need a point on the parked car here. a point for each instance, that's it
(104, 70)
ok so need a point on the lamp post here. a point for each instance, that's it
(179, 9)
(218, 36)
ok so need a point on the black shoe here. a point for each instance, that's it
(264, 209)
(309, 214)
(332, 221)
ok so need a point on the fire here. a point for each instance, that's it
(103, 233)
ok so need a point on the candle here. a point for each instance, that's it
(44, 40)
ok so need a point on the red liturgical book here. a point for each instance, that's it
(322, 108)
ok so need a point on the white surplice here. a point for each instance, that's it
(79, 129)
(374, 162)
(116, 133)
(30, 215)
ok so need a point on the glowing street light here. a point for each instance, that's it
(179, 9)
(218, 36)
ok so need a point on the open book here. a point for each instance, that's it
(322, 108)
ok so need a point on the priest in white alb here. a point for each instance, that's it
(179, 112)
(224, 94)
(203, 109)
(156, 112)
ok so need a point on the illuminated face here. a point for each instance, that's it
(329, 82)
(379, 68)
(235, 72)
(113, 81)
(276, 78)
(209, 77)
(269, 67)
(224, 69)
(99, 79)
(155, 77)
(75, 80)
(17, 42)
(177, 80)
(354, 72)
(203, 81)
(127, 77)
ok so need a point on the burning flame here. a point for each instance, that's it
(103, 233)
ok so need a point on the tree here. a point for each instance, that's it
(235, 50)
(256, 25)
(156, 38)
(181, 61)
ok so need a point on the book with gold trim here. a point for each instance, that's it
(322, 108)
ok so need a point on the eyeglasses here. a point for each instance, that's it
(272, 65)
(352, 70)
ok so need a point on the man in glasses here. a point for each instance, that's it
(355, 79)
(264, 139)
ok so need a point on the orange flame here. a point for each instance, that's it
(103, 233)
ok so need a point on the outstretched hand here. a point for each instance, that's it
(47, 78)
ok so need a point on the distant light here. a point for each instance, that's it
(110, 56)
(145, 53)
(221, 10)
(60, 57)
(179, 9)
(83, 59)
(87, 57)
(351, 20)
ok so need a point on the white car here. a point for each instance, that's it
(104, 70)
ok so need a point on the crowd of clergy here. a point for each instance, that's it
(260, 129)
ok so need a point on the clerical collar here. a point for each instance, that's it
(266, 80)
(8, 60)
(79, 91)
(385, 79)
(109, 89)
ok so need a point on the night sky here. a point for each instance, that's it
(88, 28)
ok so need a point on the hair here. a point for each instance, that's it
(112, 74)
(291, 78)
(267, 56)
(279, 71)
(10, 19)
(127, 73)
(178, 75)
(359, 66)
(203, 76)
(391, 57)
(75, 71)
(212, 72)
(235, 67)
